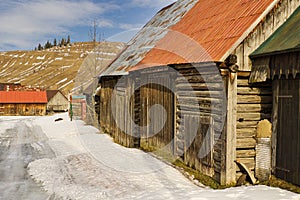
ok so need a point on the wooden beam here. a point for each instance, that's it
(228, 172)
(274, 122)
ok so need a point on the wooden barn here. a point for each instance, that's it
(25, 103)
(57, 101)
(279, 60)
(182, 85)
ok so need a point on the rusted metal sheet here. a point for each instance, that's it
(149, 36)
(23, 97)
(190, 31)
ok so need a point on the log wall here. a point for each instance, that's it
(254, 103)
(194, 114)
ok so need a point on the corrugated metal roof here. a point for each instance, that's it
(148, 37)
(23, 97)
(286, 38)
(190, 32)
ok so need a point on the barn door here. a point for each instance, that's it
(154, 138)
(288, 131)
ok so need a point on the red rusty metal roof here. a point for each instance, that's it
(206, 30)
(23, 97)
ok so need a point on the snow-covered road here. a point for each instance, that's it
(68, 160)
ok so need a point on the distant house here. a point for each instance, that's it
(57, 101)
(25, 103)
(79, 106)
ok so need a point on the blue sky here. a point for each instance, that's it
(26, 23)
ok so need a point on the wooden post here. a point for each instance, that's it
(274, 123)
(228, 173)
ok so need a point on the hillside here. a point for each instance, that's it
(58, 67)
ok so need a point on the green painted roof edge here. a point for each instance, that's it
(285, 39)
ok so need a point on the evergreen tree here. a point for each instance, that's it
(62, 42)
(47, 45)
(40, 47)
(69, 40)
(54, 42)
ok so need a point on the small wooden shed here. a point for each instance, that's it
(57, 101)
(279, 59)
(23, 103)
(192, 59)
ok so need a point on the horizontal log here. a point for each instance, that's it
(252, 116)
(249, 153)
(242, 143)
(200, 86)
(199, 79)
(199, 71)
(244, 82)
(264, 108)
(200, 100)
(204, 93)
(254, 99)
(254, 91)
(246, 124)
(246, 133)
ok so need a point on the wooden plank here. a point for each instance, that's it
(252, 116)
(246, 124)
(245, 83)
(246, 132)
(265, 108)
(274, 123)
(243, 143)
(245, 153)
(254, 99)
(228, 174)
(198, 79)
(200, 86)
(254, 91)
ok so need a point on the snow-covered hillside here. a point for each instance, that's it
(58, 67)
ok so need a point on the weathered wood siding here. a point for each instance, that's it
(288, 133)
(191, 88)
(254, 103)
(23, 109)
(266, 27)
(157, 90)
(107, 122)
(117, 110)
(58, 103)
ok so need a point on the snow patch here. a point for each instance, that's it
(41, 57)
(64, 80)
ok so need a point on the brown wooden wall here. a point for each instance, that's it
(116, 106)
(23, 109)
(254, 103)
(157, 89)
(191, 87)
(287, 113)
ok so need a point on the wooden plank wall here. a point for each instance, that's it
(23, 109)
(116, 110)
(190, 88)
(157, 89)
(254, 103)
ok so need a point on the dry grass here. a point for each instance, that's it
(59, 67)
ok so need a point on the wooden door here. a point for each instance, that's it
(155, 94)
(288, 131)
